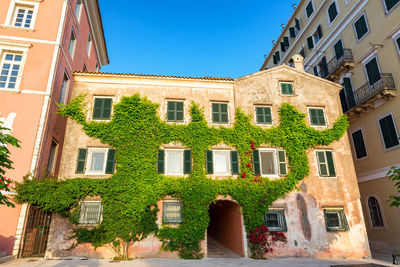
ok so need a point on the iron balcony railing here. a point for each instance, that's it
(336, 62)
(368, 90)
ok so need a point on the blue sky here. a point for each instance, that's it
(191, 38)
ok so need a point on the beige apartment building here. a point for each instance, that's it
(322, 219)
(357, 44)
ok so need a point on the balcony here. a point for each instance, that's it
(338, 65)
(370, 96)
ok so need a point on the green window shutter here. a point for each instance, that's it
(216, 113)
(283, 48)
(171, 109)
(187, 161)
(348, 88)
(224, 113)
(325, 66)
(388, 130)
(286, 41)
(160, 161)
(339, 51)
(256, 162)
(287, 88)
(282, 162)
(323, 170)
(309, 9)
(277, 56)
(179, 111)
(332, 12)
(259, 115)
(81, 161)
(359, 145)
(235, 162)
(107, 106)
(361, 27)
(331, 165)
(373, 71)
(390, 4)
(97, 108)
(209, 162)
(110, 161)
(274, 59)
(102, 108)
(310, 42)
(319, 30)
(263, 115)
(292, 32)
(317, 116)
(297, 24)
(398, 43)
(315, 71)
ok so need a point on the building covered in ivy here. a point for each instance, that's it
(166, 166)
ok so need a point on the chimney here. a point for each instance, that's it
(298, 62)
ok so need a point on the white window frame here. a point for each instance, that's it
(227, 154)
(11, 13)
(89, 45)
(368, 59)
(100, 214)
(337, 10)
(211, 113)
(354, 147)
(281, 218)
(369, 213)
(387, 12)
(255, 115)
(78, 9)
(305, 9)
(380, 131)
(90, 115)
(90, 152)
(395, 37)
(354, 27)
(275, 160)
(309, 117)
(327, 168)
(169, 150)
(346, 2)
(14, 48)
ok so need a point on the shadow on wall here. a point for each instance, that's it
(6, 244)
(80, 263)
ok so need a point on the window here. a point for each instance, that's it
(389, 131)
(10, 67)
(349, 94)
(277, 57)
(375, 212)
(302, 52)
(52, 157)
(274, 219)
(72, 44)
(269, 162)
(323, 68)
(90, 212)
(338, 49)
(326, 166)
(222, 162)
(174, 161)
(317, 116)
(64, 89)
(297, 26)
(263, 115)
(359, 145)
(175, 111)
(317, 35)
(309, 9)
(102, 108)
(390, 4)
(78, 9)
(89, 45)
(286, 88)
(23, 17)
(285, 43)
(372, 70)
(95, 161)
(172, 212)
(332, 12)
(335, 220)
(220, 113)
(397, 41)
(361, 27)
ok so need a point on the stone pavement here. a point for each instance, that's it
(217, 262)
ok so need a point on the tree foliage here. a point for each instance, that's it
(394, 175)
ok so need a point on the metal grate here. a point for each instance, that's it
(274, 219)
(172, 212)
(335, 220)
(36, 233)
(90, 212)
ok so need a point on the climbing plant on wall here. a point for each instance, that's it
(130, 195)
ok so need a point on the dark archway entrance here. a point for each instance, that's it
(224, 233)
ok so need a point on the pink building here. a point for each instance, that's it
(41, 44)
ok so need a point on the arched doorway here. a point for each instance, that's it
(224, 233)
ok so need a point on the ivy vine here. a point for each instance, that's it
(130, 196)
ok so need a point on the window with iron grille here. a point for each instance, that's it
(23, 17)
(335, 220)
(172, 213)
(274, 219)
(175, 111)
(11, 64)
(263, 115)
(375, 212)
(90, 212)
(317, 117)
(220, 113)
(326, 165)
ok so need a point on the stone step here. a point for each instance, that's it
(3, 253)
(217, 250)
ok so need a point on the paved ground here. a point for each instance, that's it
(218, 262)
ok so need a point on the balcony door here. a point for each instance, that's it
(372, 70)
(339, 50)
(348, 90)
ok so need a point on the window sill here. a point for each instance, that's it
(17, 91)
(17, 28)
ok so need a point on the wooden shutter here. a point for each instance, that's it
(398, 43)
(259, 115)
(224, 113)
(319, 31)
(187, 161)
(315, 71)
(274, 59)
(348, 88)
(216, 113)
(297, 24)
(373, 71)
(310, 42)
(309, 9)
(256, 162)
(107, 106)
(110, 161)
(323, 170)
(317, 116)
(209, 162)
(332, 12)
(234, 162)
(160, 161)
(359, 145)
(286, 41)
(325, 66)
(282, 162)
(179, 111)
(331, 165)
(388, 130)
(277, 56)
(283, 48)
(339, 51)
(97, 108)
(286, 88)
(361, 27)
(390, 4)
(81, 161)
(292, 32)
(171, 109)
(343, 101)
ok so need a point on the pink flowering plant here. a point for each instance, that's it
(261, 241)
(5, 184)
